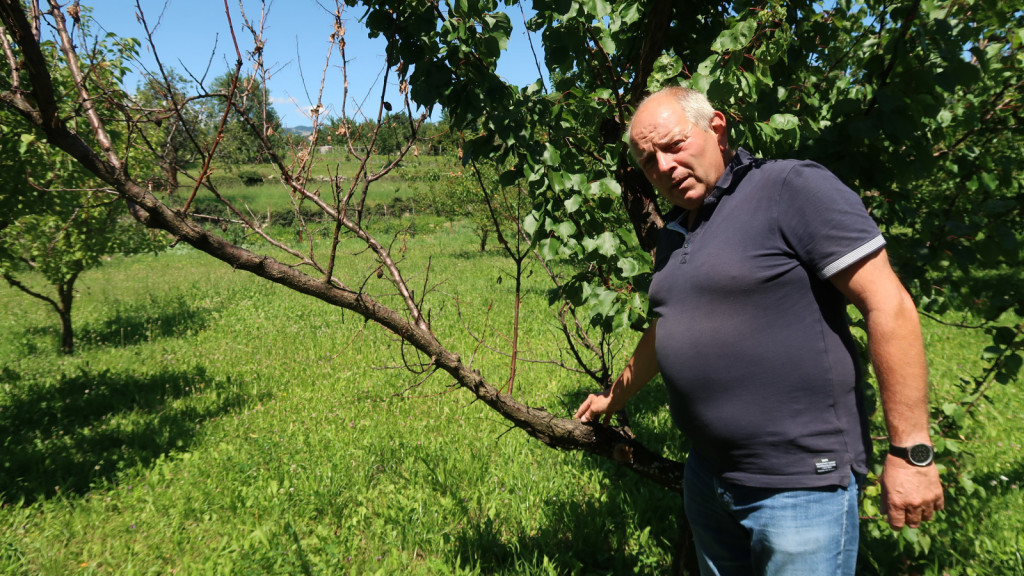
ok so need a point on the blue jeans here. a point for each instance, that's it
(740, 530)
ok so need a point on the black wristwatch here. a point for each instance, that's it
(918, 454)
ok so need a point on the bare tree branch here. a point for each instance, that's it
(39, 106)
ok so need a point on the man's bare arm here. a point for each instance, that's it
(641, 367)
(910, 494)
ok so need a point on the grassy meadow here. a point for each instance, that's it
(214, 423)
(405, 183)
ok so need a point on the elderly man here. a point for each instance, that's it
(752, 275)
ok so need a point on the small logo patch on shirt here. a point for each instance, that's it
(825, 465)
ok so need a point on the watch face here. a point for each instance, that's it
(921, 454)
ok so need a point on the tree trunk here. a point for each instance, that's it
(65, 293)
(169, 164)
(640, 201)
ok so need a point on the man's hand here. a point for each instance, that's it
(641, 367)
(910, 494)
(596, 406)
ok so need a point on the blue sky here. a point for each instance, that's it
(188, 32)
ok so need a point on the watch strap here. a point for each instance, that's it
(905, 452)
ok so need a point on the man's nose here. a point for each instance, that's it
(665, 162)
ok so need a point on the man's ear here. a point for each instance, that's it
(718, 126)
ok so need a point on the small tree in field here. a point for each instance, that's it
(58, 219)
(237, 99)
(172, 132)
(61, 244)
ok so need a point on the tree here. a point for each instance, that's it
(235, 99)
(904, 102)
(61, 244)
(439, 139)
(174, 124)
(50, 229)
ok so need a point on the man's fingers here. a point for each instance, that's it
(913, 517)
(897, 518)
(595, 409)
(582, 412)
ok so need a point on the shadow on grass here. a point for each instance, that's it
(141, 322)
(632, 528)
(592, 538)
(475, 253)
(70, 433)
(126, 325)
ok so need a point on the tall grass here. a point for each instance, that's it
(273, 196)
(215, 423)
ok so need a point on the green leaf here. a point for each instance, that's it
(25, 141)
(572, 204)
(735, 38)
(549, 248)
(564, 229)
(551, 156)
(629, 267)
(910, 534)
(605, 244)
(784, 121)
(990, 180)
(600, 9)
(530, 223)
(605, 187)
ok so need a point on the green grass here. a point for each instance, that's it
(212, 422)
(404, 183)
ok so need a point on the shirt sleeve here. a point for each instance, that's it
(824, 222)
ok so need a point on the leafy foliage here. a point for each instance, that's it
(170, 128)
(916, 105)
(49, 229)
(240, 142)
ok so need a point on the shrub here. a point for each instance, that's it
(250, 177)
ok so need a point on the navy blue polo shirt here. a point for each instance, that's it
(753, 341)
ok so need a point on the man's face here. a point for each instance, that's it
(681, 160)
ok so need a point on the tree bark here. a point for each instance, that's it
(640, 201)
(40, 108)
(66, 297)
(558, 432)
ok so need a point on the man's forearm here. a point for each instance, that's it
(641, 367)
(897, 354)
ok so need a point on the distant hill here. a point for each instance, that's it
(299, 130)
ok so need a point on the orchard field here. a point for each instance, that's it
(214, 423)
(259, 359)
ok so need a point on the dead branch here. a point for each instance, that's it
(40, 106)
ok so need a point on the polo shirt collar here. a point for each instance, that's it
(737, 167)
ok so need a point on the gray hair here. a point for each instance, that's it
(694, 103)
